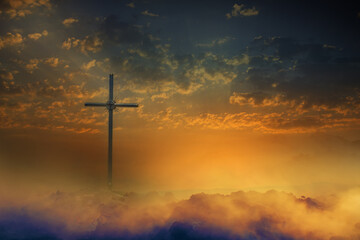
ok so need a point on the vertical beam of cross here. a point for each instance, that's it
(110, 105)
(111, 100)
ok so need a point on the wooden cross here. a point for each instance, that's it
(111, 105)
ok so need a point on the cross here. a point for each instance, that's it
(111, 105)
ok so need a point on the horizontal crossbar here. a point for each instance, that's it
(126, 105)
(95, 104)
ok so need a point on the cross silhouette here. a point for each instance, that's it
(111, 105)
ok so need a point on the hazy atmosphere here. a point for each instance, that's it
(248, 120)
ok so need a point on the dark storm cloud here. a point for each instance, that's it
(318, 74)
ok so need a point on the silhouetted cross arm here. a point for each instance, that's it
(95, 104)
(128, 105)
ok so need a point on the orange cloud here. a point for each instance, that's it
(68, 21)
(240, 10)
(147, 13)
(21, 8)
(87, 66)
(88, 44)
(10, 40)
(17, 4)
(32, 65)
(7, 76)
(13, 13)
(36, 36)
(52, 61)
(159, 97)
(286, 121)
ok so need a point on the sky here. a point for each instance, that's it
(232, 94)
(248, 125)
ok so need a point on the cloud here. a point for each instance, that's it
(216, 42)
(91, 44)
(21, 8)
(147, 13)
(42, 91)
(18, 4)
(32, 65)
(119, 32)
(11, 39)
(8, 87)
(144, 64)
(280, 118)
(36, 36)
(6, 75)
(88, 44)
(302, 72)
(131, 4)
(67, 44)
(13, 13)
(142, 70)
(305, 79)
(134, 72)
(238, 60)
(68, 21)
(159, 97)
(7, 84)
(87, 66)
(239, 215)
(52, 61)
(240, 10)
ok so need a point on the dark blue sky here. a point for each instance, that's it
(189, 22)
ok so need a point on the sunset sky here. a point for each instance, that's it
(232, 94)
(248, 125)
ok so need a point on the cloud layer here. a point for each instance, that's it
(237, 74)
(240, 215)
